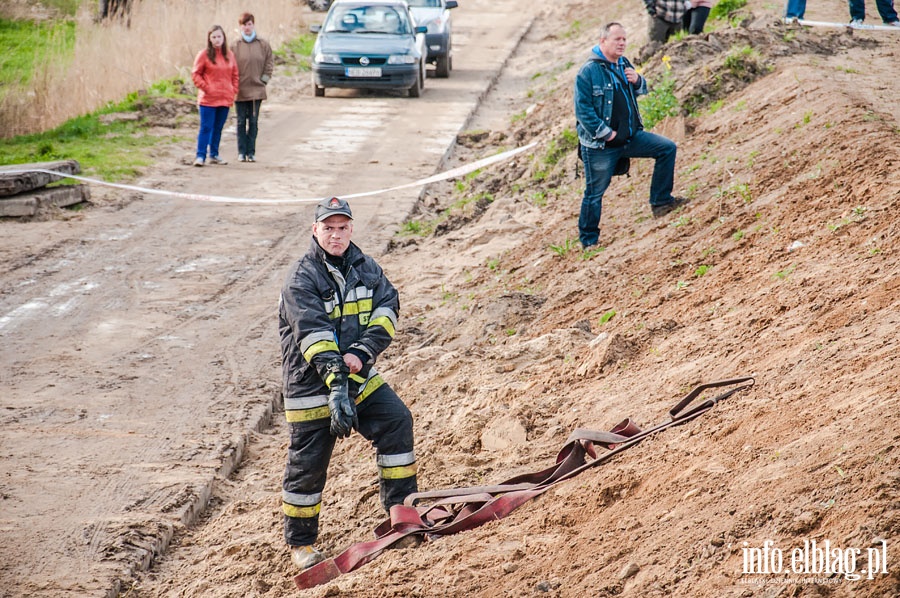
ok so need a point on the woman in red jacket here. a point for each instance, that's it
(216, 76)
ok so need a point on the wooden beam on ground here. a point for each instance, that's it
(12, 184)
(30, 204)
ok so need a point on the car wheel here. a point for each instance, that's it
(416, 90)
(319, 92)
(319, 5)
(443, 66)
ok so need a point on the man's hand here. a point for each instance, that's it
(632, 76)
(343, 410)
(353, 362)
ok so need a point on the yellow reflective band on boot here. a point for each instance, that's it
(398, 473)
(300, 512)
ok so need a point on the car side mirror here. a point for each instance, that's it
(421, 29)
(452, 3)
(315, 28)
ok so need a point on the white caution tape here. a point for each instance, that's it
(848, 25)
(449, 174)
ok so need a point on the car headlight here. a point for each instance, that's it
(321, 58)
(401, 59)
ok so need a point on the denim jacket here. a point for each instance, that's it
(594, 99)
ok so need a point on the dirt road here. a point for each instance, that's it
(137, 352)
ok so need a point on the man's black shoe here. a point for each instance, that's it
(664, 208)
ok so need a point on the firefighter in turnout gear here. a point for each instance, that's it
(336, 314)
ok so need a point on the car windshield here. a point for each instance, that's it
(361, 18)
(429, 3)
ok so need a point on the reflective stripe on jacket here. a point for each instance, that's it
(323, 315)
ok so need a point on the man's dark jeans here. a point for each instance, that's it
(598, 172)
(247, 126)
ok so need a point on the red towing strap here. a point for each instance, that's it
(460, 509)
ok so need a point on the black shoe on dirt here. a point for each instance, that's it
(662, 209)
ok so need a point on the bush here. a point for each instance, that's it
(724, 8)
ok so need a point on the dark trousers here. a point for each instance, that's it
(385, 421)
(599, 165)
(660, 30)
(247, 126)
(695, 19)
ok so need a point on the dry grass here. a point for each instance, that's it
(113, 59)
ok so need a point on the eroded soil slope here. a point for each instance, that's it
(783, 266)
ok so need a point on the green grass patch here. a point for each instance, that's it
(27, 44)
(298, 51)
(112, 151)
(725, 8)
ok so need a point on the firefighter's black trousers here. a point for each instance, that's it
(385, 421)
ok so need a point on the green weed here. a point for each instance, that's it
(574, 29)
(590, 253)
(715, 106)
(741, 59)
(564, 248)
(607, 316)
(701, 270)
(419, 228)
(737, 235)
(566, 143)
(661, 102)
(751, 158)
(784, 274)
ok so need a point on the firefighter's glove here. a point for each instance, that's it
(342, 408)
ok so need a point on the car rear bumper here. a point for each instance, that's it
(398, 76)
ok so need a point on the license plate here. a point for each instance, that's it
(363, 72)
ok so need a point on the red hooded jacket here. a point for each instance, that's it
(217, 82)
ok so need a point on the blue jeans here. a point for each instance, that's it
(885, 9)
(247, 125)
(795, 9)
(598, 172)
(212, 119)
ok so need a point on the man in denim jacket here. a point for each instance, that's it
(610, 128)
